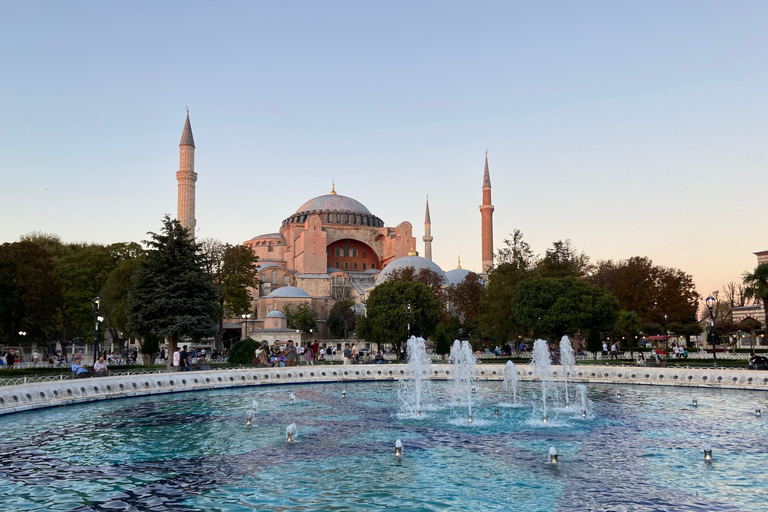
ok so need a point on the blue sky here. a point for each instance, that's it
(632, 129)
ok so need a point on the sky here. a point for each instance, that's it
(632, 129)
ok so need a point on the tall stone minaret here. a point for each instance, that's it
(427, 234)
(187, 178)
(486, 212)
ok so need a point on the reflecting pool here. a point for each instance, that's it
(641, 451)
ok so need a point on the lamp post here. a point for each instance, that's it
(96, 302)
(408, 309)
(666, 338)
(710, 302)
(245, 318)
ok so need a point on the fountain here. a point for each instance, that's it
(292, 398)
(568, 360)
(552, 455)
(510, 379)
(586, 403)
(412, 392)
(542, 363)
(291, 432)
(463, 372)
(398, 448)
(251, 413)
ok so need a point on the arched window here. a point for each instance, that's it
(338, 218)
(275, 277)
(373, 265)
(286, 280)
(354, 265)
(346, 265)
(330, 217)
(364, 256)
(336, 265)
(354, 252)
(346, 250)
(364, 267)
(346, 218)
(329, 263)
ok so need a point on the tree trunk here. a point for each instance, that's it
(172, 342)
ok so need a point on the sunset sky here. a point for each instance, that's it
(632, 129)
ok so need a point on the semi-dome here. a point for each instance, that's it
(289, 292)
(417, 262)
(457, 275)
(275, 313)
(335, 203)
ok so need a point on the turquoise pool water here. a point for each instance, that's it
(192, 451)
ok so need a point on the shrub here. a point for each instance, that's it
(243, 352)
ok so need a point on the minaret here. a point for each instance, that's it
(427, 234)
(187, 178)
(486, 212)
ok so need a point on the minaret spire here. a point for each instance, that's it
(427, 234)
(186, 177)
(486, 214)
(333, 187)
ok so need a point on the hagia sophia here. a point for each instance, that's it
(332, 247)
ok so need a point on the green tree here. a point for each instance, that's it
(342, 318)
(757, 285)
(114, 298)
(387, 316)
(233, 270)
(556, 306)
(172, 294)
(150, 346)
(301, 317)
(563, 260)
(28, 293)
(629, 323)
(242, 352)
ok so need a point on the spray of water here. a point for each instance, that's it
(542, 363)
(586, 403)
(510, 379)
(415, 392)
(463, 372)
(568, 360)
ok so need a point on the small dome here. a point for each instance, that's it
(289, 291)
(276, 313)
(457, 275)
(417, 262)
(333, 202)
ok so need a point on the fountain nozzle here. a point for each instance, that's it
(249, 419)
(398, 448)
(758, 413)
(473, 391)
(707, 451)
(469, 419)
(496, 412)
(344, 394)
(291, 432)
(292, 397)
(290, 437)
(545, 419)
(618, 394)
(552, 455)
(583, 414)
(695, 402)
(418, 413)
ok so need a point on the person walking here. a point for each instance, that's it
(290, 354)
(176, 359)
(184, 361)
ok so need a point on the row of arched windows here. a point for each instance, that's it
(341, 218)
(355, 266)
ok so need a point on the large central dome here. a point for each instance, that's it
(333, 203)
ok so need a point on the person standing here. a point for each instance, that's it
(176, 359)
(290, 354)
(315, 350)
(308, 356)
(10, 358)
(184, 360)
(347, 354)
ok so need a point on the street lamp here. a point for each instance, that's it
(245, 318)
(408, 309)
(666, 338)
(96, 302)
(710, 302)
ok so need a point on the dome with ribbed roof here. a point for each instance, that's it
(333, 202)
(417, 262)
(275, 313)
(289, 292)
(457, 275)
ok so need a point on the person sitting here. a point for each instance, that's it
(79, 370)
(640, 359)
(379, 357)
(202, 363)
(100, 368)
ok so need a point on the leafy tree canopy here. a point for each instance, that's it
(301, 317)
(387, 316)
(342, 318)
